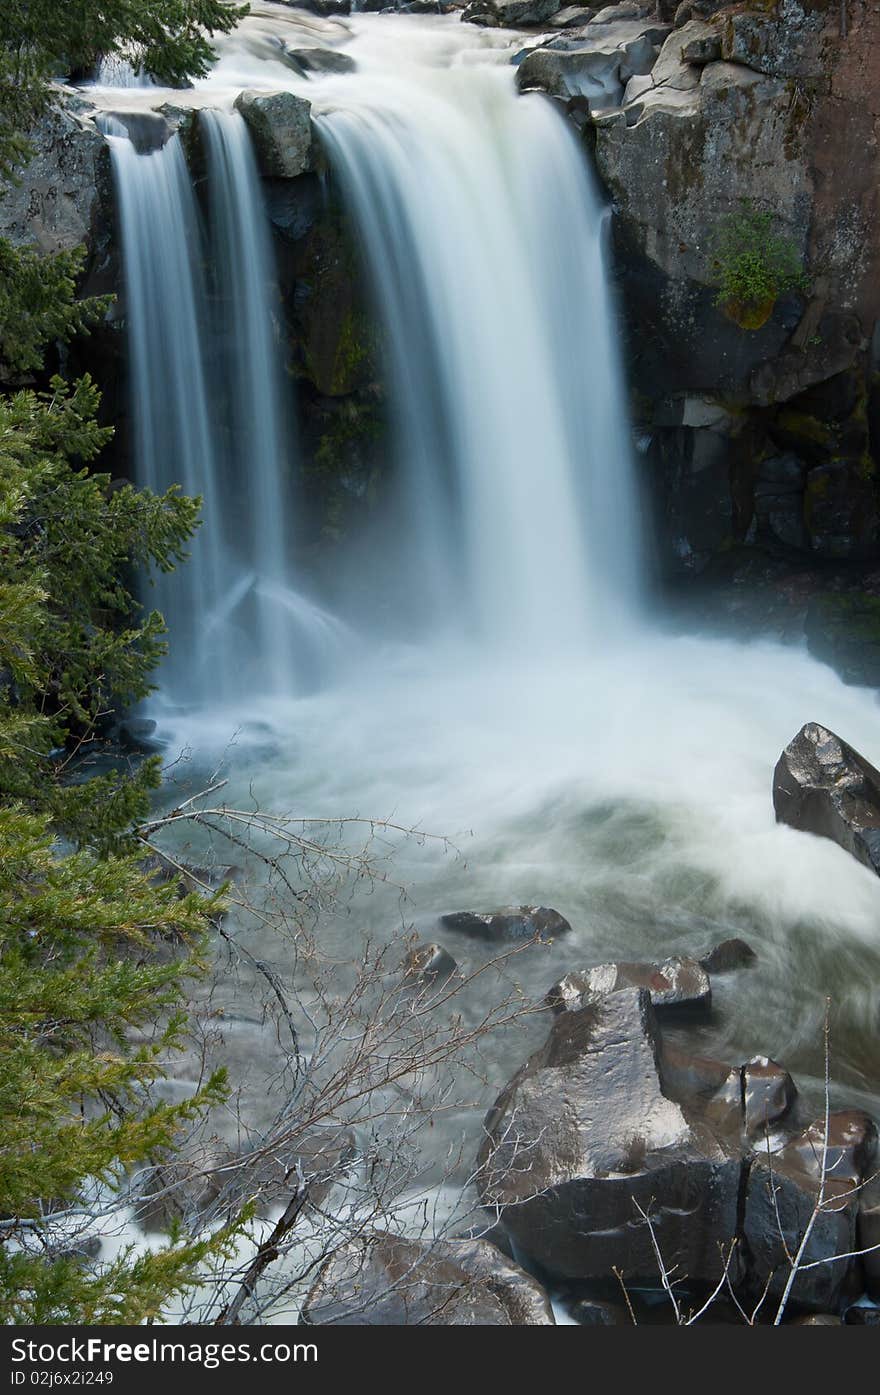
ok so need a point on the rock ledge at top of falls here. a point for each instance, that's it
(822, 785)
(606, 1124)
(389, 1280)
(596, 65)
(280, 124)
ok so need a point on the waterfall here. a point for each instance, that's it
(259, 475)
(173, 427)
(210, 415)
(483, 234)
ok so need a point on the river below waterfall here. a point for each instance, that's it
(577, 751)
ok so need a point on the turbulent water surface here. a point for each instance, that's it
(502, 679)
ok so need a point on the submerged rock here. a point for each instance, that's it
(321, 60)
(429, 964)
(387, 1280)
(510, 923)
(676, 983)
(280, 124)
(768, 1093)
(823, 786)
(727, 955)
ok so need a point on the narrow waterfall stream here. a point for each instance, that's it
(515, 693)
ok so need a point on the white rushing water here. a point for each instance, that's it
(617, 772)
(483, 229)
(211, 412)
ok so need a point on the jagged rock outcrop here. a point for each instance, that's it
(388, 1280)
(64, 197)
(821, 785)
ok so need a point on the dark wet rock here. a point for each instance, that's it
(728, 955)
(841, 511)
(768, 1093)
(136, 734)
(817, 1320)
(843, 630)
(280, 124)
(859, 1315)
(429, 964)
(584, 1134)
(509, 14)
(677, 983)
(868, 1235)
(510, 923)
(592, 1312)
(782, 1195)
(321, 60)
(688, 1077)
(822, 786)
(387, 1280)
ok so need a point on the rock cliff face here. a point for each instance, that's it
(763, 435)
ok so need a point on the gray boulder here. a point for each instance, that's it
(321, 60)
(388, 1280)
(675, 984)
(822, 786)
(510, 923)
(280, 124)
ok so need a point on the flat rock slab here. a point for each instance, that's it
(822, 785)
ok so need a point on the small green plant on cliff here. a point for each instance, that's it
(754, 264)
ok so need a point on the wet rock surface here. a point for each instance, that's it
(728, 955)
(607, 1128)
(428, 964)
(386, 1280)
(678, 984)
(822, 785)
(509, 924)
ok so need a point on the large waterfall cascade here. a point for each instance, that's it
(606, 767)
